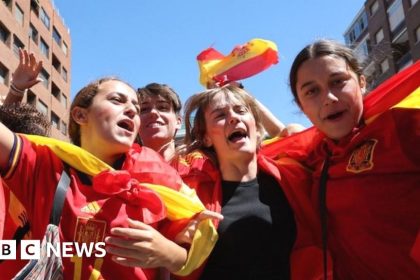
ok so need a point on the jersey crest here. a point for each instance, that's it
(89, 230)
(362, 157)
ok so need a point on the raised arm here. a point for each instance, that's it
(6, 145)
(272, 125)
(24, 77)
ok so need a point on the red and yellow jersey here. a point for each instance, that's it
(92, 209)
(372, 192)
(15, 225)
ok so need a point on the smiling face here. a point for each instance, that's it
(159, 122)
(110, 124)
(230, 127)
(330, 95)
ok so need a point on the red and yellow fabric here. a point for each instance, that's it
(199, 172)
(156, 182)
(3, 209)
(16, 226)
(401, 90)
(244, 61)
(374, 176)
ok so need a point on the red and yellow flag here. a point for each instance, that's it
(401, 90)
(244, 61)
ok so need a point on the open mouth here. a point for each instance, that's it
(334, 116)
(126, 124)
(237, 136)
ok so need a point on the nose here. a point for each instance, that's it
(154, 111)
(233, 117)
(130, 110)
(330, 98)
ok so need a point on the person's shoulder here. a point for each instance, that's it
(197, 163)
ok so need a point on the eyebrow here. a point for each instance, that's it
(135, 102)
(330, 76)
(216, 110)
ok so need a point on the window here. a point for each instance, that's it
(33, 33)
(413, 2)
(418, 34)
(363, 22)
(63, 128)
(19, 14)
(395, 14)
(384, 66)
(31, 97)
(379, 36)
(64, 100)
(42, 107)
(4, 34)
(55, 91)
(362, 49)
(45, 50)
(7, 3)
(35, 7)
(4, 73)
(64, 48)
(17, 44)
(373, 8)
(64, 74)
(56, 36)
(45, 77)
(56, 63)
(44, 18)
(55, 120)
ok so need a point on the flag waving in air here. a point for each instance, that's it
(244, 61)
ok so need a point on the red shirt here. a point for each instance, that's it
(14, 222)
(199, 172)
(373, 198)
(87, 215)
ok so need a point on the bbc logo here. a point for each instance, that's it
(29, 249)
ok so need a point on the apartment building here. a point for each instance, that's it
(36, 26)
(386, 36)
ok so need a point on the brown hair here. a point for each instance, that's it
(84, 99)
(155, 89)
(195, 126)
(24, 118)
(318, 49)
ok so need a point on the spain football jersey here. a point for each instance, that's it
(88, 213)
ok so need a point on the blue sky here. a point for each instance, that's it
(158, 41)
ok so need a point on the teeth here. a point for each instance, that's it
(154, 125)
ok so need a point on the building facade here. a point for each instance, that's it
(36, 26)
(386, 36)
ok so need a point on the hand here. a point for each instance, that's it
(187, 234)
(26, 74)
(291, 129)
(143, 246)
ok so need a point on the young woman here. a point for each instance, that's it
(160, 116)
(104, 122)
(268, 220)
(367, 172)
(20, 118)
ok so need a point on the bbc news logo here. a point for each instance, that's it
(31, 249)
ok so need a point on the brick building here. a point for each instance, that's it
(386, 35)
(36, 26)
